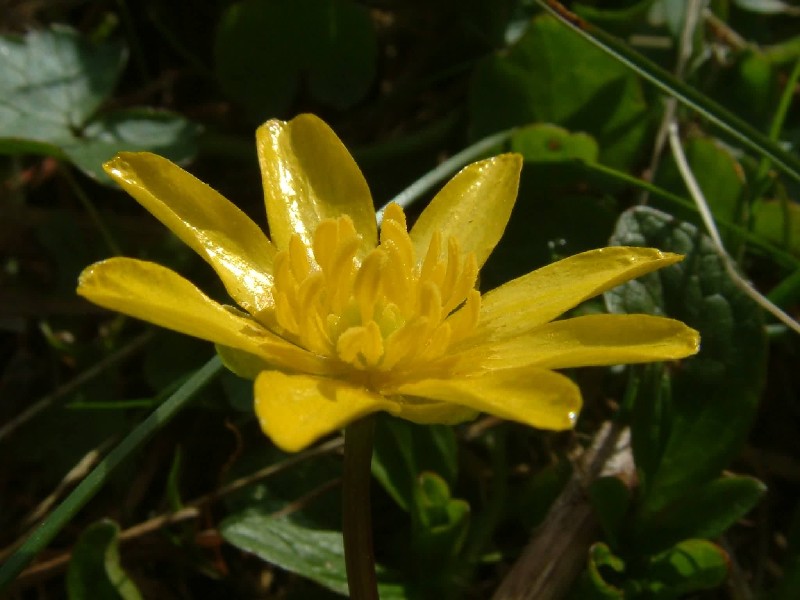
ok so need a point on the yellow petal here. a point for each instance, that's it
(212, 226)
(296, 410)
(592, 340)
(530, 395)
(427, 412)
(158, 295)
(540, 296)
(473, 207)
(308, 176)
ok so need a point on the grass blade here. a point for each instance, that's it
(50, 527)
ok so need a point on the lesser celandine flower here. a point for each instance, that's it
(335, 321)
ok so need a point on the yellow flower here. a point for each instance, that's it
(336, 323)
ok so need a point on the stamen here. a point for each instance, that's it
(285, 293)
(282, 271)
(361, 346)
(466, 282)
(394, 233)
(309, 294)
(394, 213)
(430, 302)
(378, 311)
(284, 313)
(299, 258)
(437, 344)
(398, 279)
(324, 242)
(367, 284)
(341, 272)
(432, 268)
(404, 343)
(453, 268)
(372, 350)
(317, 335)
(463, 321)
(390, 319)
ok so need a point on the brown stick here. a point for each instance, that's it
(556, 554)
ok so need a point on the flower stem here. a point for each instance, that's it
(356, 514)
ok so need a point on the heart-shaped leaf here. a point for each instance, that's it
(52, 84)
(714, 394)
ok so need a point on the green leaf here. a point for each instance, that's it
(670, 14)
(243, 364)
(687, 567)
(778, 222)
(602, 564)
(439, 524)
(704, 512)
(715, 393)
(531, 502)
(543, 142)
(238, 391)
(619, 20)
(783, 52)
(52, 82)
(403, 450)
(95, 572)
(610, 499)
(136, 129)
(345, 52)
(757, 87)
(650, 418)
(735, 127)
(596, 94)
(263, 49)
(315, 554)
(718, 173)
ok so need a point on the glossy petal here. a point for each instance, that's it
(431, 412)
(540, 296)
(308, 176)
(212, 226)
(533, 396)
(296, 410)
(473, 207)
(160, 296)
(592, 340)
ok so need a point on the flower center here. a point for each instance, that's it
(378, 313)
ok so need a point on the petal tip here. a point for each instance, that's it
(123, 166)
(693, 341)
(268, 129)
(86, 278)
(671, 257)
(571, 419)
(512, 161)
(115, 167)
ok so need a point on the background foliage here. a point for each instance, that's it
(701, 502)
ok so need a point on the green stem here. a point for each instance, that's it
(356, 514)
(50, 527)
